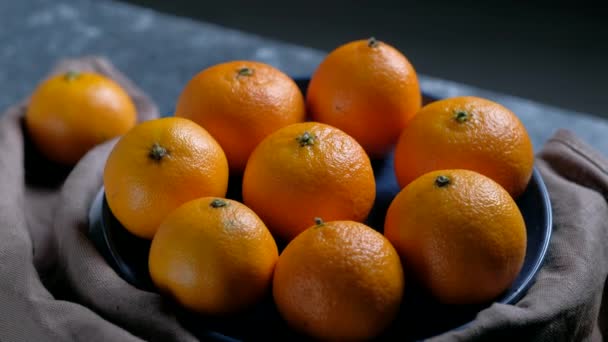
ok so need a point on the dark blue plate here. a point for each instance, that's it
(420, 316)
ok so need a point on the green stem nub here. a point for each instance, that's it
(461, 116)
(319, 221)
(306, 139)
(245, 71)
(372, 42)
(218, 203)
(157, 152)
(71, 75)
(442, 181)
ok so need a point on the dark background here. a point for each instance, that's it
(550, 51)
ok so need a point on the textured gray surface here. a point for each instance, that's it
(161, 53)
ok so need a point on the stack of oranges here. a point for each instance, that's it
(307, 181)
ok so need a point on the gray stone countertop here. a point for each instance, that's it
(161, 53)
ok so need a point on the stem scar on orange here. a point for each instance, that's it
(466, 133)
(369, 90)
(240, 103)
(159, 165)
(459, 233)
(306, 170)
(70, 113)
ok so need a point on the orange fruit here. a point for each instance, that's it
(240, 103)
(460, 233)
(339, 280)
(159, 165)
(214, 256)
(70, 113)
(369, 90)
(466, 133)
(307, 170)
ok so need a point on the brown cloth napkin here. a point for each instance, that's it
(55, 286)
